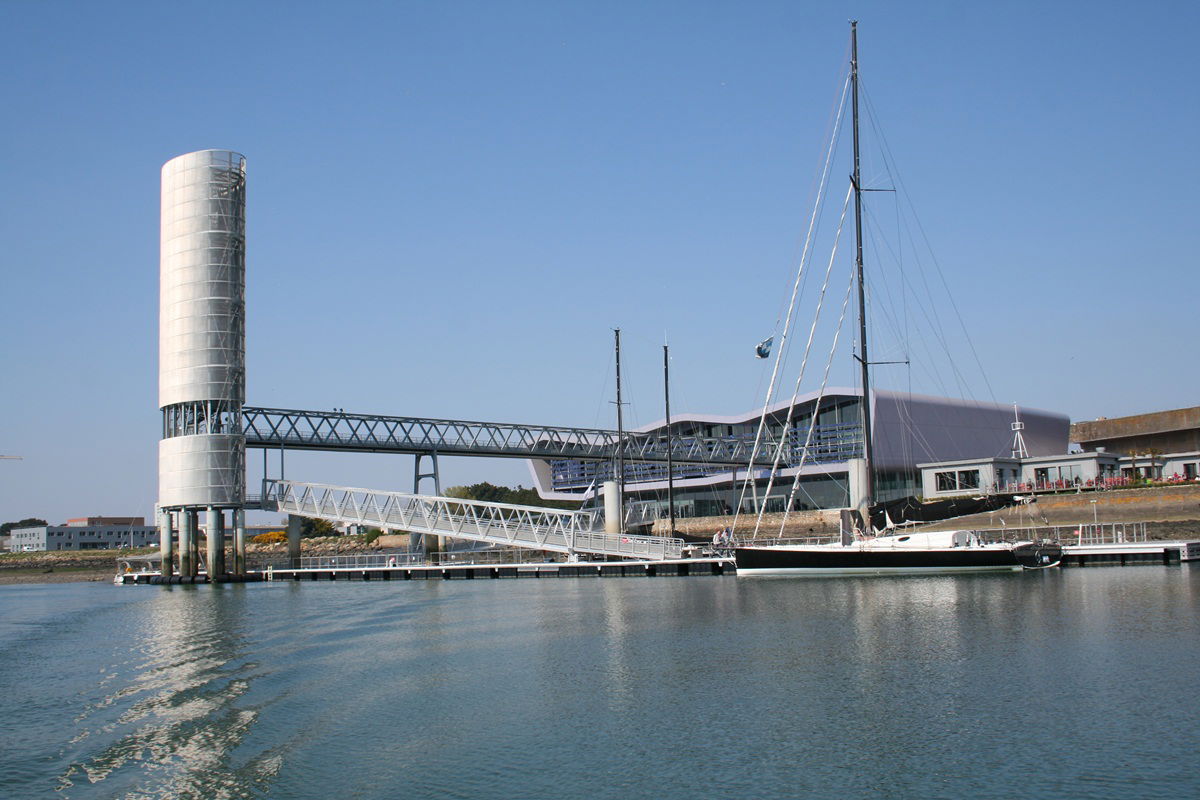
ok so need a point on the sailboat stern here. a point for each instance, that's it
(1038, 555)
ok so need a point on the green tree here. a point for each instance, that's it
(311, 527)
(28, 522)
(520, 496)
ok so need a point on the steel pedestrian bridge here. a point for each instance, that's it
(370, 433)
(530, 527)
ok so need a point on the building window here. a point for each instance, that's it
(964, 479)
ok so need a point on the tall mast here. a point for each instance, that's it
(620, 433)
(670, 460)
(869, 487)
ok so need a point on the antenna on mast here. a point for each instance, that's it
(1018, 446)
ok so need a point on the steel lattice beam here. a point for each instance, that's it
(370, 433)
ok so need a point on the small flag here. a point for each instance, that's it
(764, 347)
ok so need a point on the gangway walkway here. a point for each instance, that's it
(531, 527)
(371, 433)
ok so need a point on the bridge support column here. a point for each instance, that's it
(166, 543)
(239, 541)
(433, 545)
(213, 535)
(293, 540)
(429, 543)
(612, 508)
(187, 539)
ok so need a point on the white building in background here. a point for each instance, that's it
(85, 533)
(1051, 473)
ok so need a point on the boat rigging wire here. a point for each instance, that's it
(812, 425)
(804, 257)
(894, 172)
(812, 331)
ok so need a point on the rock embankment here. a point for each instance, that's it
(800, 524)
(61, 567)
(333, 545)
(101, 565)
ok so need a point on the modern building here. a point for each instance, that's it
(908, 429)
(85, 533)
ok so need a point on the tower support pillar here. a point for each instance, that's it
(293, 531)
(166, 543)
(239, 541)
(213, 534)
(187, 543)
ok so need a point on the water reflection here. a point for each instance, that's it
(919, 687)
(171, 728)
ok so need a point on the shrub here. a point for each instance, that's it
(270, 537)
(370, 536)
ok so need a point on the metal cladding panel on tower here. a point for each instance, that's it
(202, 305)
(204, 470)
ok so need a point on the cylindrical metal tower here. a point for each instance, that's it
(202, 332)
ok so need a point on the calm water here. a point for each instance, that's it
(1072, 683)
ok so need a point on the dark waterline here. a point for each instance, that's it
(1069, 683)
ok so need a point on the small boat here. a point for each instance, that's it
(892, 553)
(932, 553)
(133, 566)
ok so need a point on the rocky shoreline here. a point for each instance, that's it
(85, 566)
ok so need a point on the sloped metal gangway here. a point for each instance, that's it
(369, 433)
(529, 527)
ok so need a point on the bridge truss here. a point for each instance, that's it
(370, 433)
(528, 527)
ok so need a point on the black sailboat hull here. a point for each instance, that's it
(783, 560)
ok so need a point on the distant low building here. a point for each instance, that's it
(980, 476)
(85, 533)
(84, 522)
(1174, 431)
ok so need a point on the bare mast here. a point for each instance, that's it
(620, 476)
(869, 485)
(670, 460)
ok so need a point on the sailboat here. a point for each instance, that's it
(934, 552)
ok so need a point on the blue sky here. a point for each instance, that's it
(451, 205)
